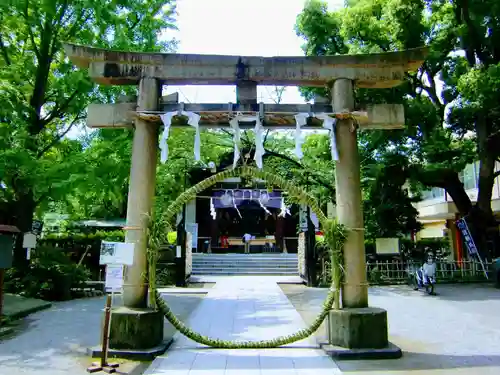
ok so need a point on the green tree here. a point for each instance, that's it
(100, 189)
(445, 130)
(43, 96)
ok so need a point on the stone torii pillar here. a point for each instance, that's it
(348, 197)
(356, 326)
(134, 326)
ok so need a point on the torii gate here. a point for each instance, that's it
(152, 70)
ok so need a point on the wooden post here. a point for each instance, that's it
(103, 365)
(105, 331)
(2, 272)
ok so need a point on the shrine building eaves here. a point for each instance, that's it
(381, 70)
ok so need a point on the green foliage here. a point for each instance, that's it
(50, 276)
(82, 248)
(388, 208)
(463, 39)
(44, 96)
(83, 238)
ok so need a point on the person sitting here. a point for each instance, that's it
(427, 272)
(429, 268)
(224, 241)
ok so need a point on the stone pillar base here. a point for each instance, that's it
(135, 328)
(359, 334)
(136, 334)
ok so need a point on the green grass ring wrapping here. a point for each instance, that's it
(335, 235)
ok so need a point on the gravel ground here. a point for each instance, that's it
(54, 341)
(456, 332)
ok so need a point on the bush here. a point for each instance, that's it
(50, 276)
(75, 245)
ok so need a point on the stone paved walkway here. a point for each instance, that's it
(244, 308)
(54, 341)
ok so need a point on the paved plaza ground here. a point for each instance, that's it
(457, 332)
(54, 341)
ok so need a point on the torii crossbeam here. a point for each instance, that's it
(152, 70)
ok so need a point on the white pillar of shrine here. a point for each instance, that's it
(141, 193)
(348, 195)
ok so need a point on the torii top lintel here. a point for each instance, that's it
(381, 70)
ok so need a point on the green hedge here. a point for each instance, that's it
(50, 276)
(101, 235)
(75, 245)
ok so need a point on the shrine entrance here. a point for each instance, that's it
(239, 216)
(149, 112)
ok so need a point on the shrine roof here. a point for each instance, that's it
(380, 70)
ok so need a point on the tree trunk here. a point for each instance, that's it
(479, 216)
(23, 219)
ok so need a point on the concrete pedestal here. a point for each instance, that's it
(360, 333)
(135, 334)
(135, 328)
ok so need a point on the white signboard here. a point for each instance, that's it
(117, 253)
(193, 229)
(29, 241)
(387, 245)
(114, 278)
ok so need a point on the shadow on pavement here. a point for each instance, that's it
(422, 361)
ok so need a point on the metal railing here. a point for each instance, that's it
(397, 272)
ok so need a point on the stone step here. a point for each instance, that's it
(243, 272)
(224, 262)
(287, 269)
(244, 265)
(284, 255)
(245, 258)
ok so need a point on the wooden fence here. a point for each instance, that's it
(396, 272)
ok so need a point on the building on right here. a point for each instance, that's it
(438, 213)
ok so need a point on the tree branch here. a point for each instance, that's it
(76, 25)
(431, 89)
(5, 53)
(30, 31)
(474, 37)
(317, 178)
(43, 196)
(56, 27)
(59, 136)
(226, 131)
(265, 137)
(59, 110)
